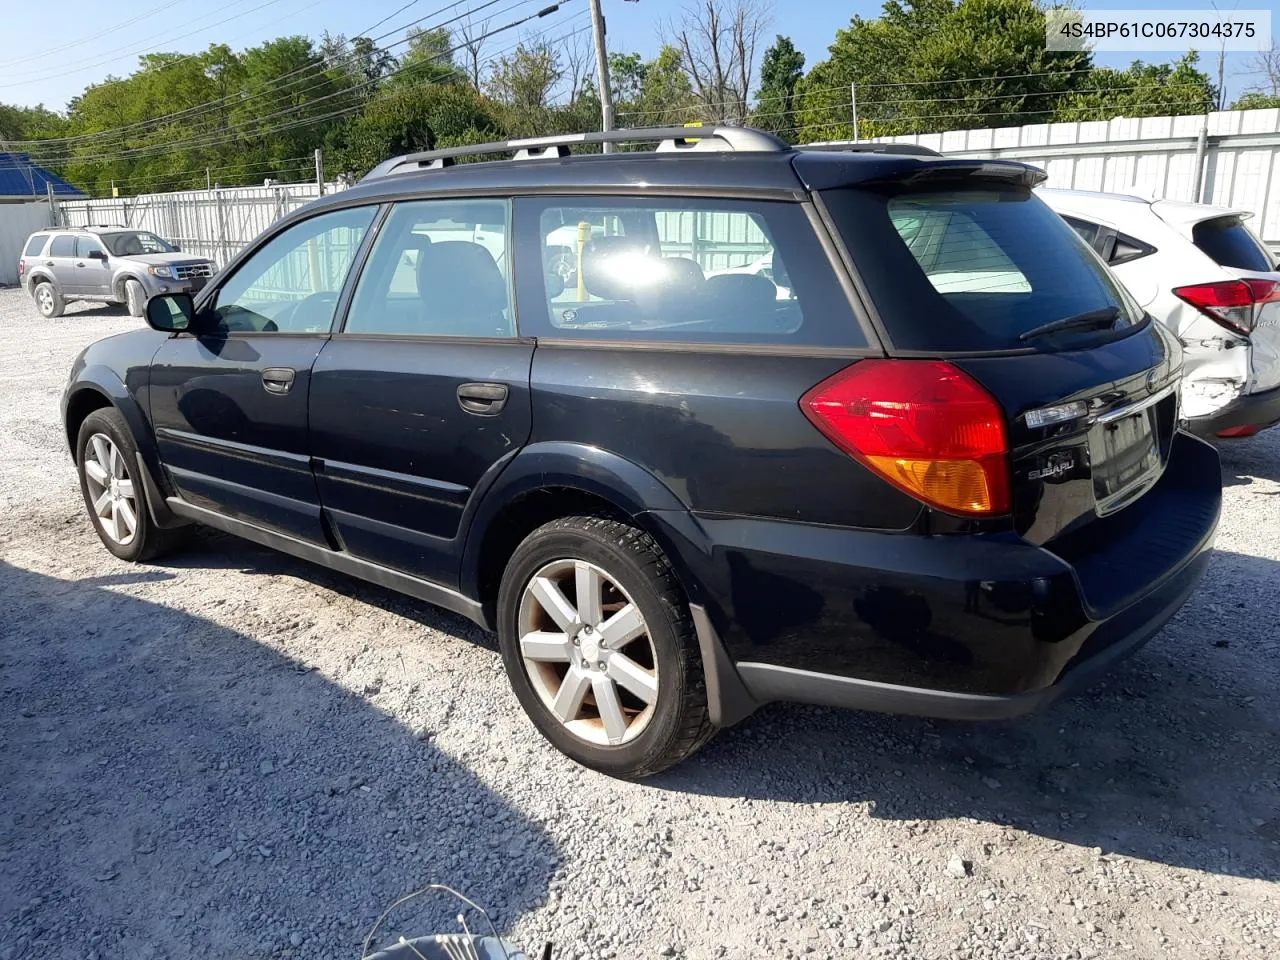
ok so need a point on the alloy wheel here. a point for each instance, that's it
(586, 649)
(44, 298)
(111, 490)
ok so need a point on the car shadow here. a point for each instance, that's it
(172, 787)
(1248, 460)
(1170, 758)
(214, 549)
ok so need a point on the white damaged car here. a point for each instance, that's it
(1202, 272)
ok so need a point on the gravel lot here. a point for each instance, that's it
(235, 754)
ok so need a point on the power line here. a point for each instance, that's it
(96, 37)
(222, 136)
(231, 134)
(316, 69)
(141, 50)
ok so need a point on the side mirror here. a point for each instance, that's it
(176, 248)
(171, 313)
(98, 255)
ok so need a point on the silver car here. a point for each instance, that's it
(107, 264)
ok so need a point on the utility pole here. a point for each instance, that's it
(320, 170)
(602, 72)
(853, 100)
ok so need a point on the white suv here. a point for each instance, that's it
(1202, 272)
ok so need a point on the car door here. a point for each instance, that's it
(93, 273)
(229, 404)
(61, 261)
(424, 394)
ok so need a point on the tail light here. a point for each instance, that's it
(925, 426)
(1232, 303)
(22, 268)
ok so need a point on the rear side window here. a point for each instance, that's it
(35, 245)
(439, 268)
(1231, 244)
(971, 269)
(64, 245)
(671, 268)
(1088, 231)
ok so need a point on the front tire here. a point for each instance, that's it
(106, 458)
(135, 298)
(49, 300)
(598, 644)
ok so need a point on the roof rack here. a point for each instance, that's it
(713, 139)
(862, 146)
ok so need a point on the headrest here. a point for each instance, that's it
(740, 290)
(457, 279)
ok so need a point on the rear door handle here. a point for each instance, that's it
(277, 380)
(483, 399)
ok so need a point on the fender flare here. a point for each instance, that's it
(577, 466)
(37, 276)
(118, 281)
(104, 381)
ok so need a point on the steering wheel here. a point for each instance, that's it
(312, 313)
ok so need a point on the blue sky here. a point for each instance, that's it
(50, 68)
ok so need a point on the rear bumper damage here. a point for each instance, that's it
(1249, 410)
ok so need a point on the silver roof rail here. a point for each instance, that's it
(718, 139)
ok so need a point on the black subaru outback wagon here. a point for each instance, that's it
(693, 430)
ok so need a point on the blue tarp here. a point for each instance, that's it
(19, 177)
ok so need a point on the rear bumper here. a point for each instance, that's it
(964, 627)
(1250, 410)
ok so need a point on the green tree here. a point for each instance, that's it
(406, 119)
(927, 65)
(429, 59)
(1256, 100)
(780, 72)
(1143, 90)
(523, 82)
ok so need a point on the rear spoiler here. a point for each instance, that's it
(1005, 171)
(832, 168)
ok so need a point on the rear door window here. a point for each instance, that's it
(672, 268)
(35, 245)
(64, 245)
(971, 269)
(1231, 244)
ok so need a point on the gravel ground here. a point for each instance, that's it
(234, 754)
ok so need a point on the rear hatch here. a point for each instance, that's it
(1248, 305)
(963, 263)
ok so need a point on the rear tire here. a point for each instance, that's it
(613, 678)
(135, 298)
(49, 300)
(114, 494)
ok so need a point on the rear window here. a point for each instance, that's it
(64, 245)
(35, 245)
(1231, 244)
(677, 269)
(971, 269)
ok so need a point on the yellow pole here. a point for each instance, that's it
(584, 234)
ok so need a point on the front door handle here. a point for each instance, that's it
(277, 380)
(482, 399)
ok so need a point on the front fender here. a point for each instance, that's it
(105, 383)
(626, 485)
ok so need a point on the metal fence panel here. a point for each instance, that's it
(17, 222)
(1153, 156)
(210, 223)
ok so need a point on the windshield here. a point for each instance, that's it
(135, 242)
(971, 269)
